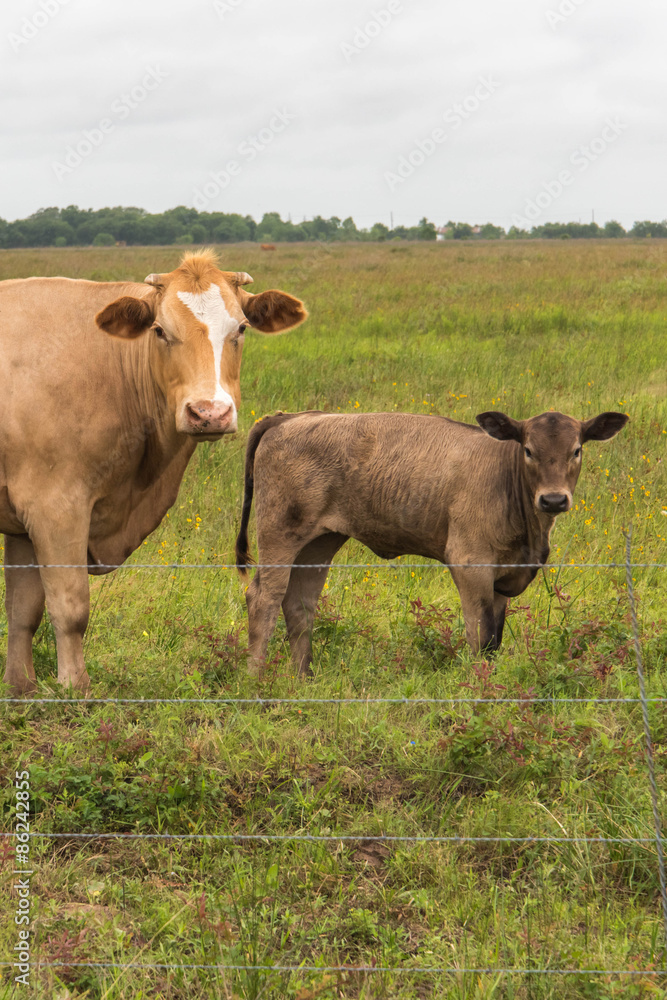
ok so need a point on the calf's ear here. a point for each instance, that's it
(603, 427)
(500, 426)
(272, 311)
(126, 317)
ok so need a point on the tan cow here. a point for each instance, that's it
(405, 484)
(97, 430)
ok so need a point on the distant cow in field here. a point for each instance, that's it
(267, 246)
(105, 391)
(405, 484)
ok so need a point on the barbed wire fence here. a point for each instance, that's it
(238, 838)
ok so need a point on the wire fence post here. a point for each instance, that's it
(647, 732)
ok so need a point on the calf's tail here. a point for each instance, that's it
(243, 557)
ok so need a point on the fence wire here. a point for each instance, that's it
(643, 700)
(315, 838)
(366, 565)
(263, 702)
(647, 733)
(401, 969)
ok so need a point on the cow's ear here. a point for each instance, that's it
(272, 311)
(500, 426)
(603, 427)
(127, 317)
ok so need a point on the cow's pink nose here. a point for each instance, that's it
(208, 417)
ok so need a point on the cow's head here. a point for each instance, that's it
(195, 318)
(552, 446)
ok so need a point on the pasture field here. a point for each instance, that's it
(442, 328)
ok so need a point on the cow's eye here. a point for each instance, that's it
(527, 452)
(238, 335)
(577, 452)
(159, 332)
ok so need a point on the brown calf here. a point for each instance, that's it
(405, 484)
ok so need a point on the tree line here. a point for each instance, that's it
(73, 226)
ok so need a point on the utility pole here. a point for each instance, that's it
(391, 221)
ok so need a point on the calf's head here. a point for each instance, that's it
(196, 317)
(551, 445)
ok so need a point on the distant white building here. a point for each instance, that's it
(443, 232)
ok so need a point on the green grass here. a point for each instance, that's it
(443, 329)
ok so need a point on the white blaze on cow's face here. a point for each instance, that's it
(198, 343)
(210, 309)
(193, 320)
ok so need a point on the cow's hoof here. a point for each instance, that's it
(21, 687)
(255, 668)
(79, 687)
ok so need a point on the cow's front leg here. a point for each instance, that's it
(475, 587)
(24, 601)
(63, 552)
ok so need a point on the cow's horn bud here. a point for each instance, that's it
(243, 278)
(152, 279)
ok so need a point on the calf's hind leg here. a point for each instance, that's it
(263, 598)
(24, 601)
(305, 586)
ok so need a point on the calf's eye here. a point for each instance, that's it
(577, 452)
(528, 453)
(159, 332)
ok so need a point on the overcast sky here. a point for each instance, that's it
(537, 110)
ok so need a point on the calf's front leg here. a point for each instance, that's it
(475, 587)
(24, 602)
(499, 612)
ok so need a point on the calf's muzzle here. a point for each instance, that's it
(554, 503)
(207, 416)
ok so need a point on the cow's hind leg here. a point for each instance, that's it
(263, 598)
(475, 587)
(24, 601)
(303, 593)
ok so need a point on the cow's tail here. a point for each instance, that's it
(243, 557)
